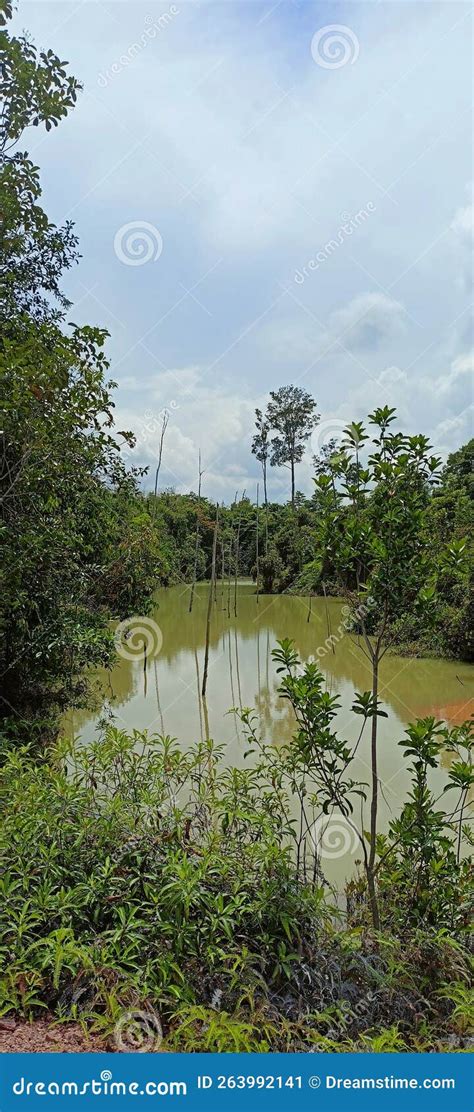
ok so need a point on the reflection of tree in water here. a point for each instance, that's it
(410, 686)
(275, 715)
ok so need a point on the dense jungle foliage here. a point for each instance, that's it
(140, 880)
(147, 888)
(82, 543)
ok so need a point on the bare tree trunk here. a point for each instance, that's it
(215, 576)
(229, 565)
(292, 465)
(264, 468)
(164, 426)
(196, 551)
(209, 605)
(237, 553)
(256, 549)
(198, 693)
(328, 623)
(155, 663)
(222, 570)
(206, 718)
(231, 672)
(375, 795)
(237, 667)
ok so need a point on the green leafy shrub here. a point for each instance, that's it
(134, 875)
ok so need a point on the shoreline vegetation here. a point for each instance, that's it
(155, 896)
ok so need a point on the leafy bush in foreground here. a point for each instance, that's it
(134, 875)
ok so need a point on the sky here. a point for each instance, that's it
(267, 193)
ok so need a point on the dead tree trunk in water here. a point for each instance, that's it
(229, 565)
(256, 548)
(222, 570)
(196, 551)
(209, 604)
(328, 623)
(164, 426)
(237, 553)
(231, 546)
(215, 576)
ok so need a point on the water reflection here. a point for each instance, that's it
(167, 698)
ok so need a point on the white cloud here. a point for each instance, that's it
(227, 137)
(463, 228)
(368, 321)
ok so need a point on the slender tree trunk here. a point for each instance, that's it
(265, 497)
(196, 550)
(375, 797)
(237, 666)
(155, 663)
(206, 719)
(145, 669)
(222, 570)
(328, 622)
(198, 681)
(237, 553)
(231, 546)
(256, 550)
(231, 672)
(229, 564)
(292, 465)
(164, 426)
(209, 604)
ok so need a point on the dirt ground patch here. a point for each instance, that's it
(44, 1037)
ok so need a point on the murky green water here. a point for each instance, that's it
(166, 697)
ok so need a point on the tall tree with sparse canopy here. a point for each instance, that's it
(261, 449)
(292, 414)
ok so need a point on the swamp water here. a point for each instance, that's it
(165, 698)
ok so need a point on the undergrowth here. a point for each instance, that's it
(137, 876)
